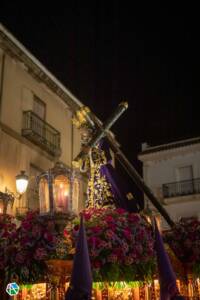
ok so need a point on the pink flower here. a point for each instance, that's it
(134, 218)
(5, 234)
(127, 233)
(93, 253)
(65, 233)
(112, 258)
(112, 226)
(113, 237)
(140, 235)
(188, 243)
(138, 249)
(94, 241)
(50, 225)
(96, 229)
(49, 237)
(26, 225)
(133, 255)
(128, 260)
(2, 266)
(118, 252)
(36, 231)
(20, 257)
(125, 246)
(40, 254)
(109, 234)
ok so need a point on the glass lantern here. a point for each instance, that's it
(61, 193)
(55, 190)
(21, 182)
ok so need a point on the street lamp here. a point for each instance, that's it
(21, 183)
(8, 196)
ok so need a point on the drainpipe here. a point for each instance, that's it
(72, 142)
(72, 157)
(2, 82)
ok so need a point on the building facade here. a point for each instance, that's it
(36, 129)
(172, 171)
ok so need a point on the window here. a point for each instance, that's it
(39, 107)
(185, 173)
(185, 176)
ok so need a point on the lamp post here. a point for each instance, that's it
(21, 183)
(8, 196)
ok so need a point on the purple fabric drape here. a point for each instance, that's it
(120, 188)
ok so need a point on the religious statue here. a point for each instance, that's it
(105, 187)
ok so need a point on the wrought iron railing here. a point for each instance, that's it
(41, 133)
(181, 188)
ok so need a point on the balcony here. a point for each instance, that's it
(41, 133)
(182, 188)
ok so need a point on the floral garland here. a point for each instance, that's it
(121, 245)
(184, 240)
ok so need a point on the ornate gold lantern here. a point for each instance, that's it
(55, 190)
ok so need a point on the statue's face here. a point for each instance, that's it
(86, 135)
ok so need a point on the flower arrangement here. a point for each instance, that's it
(184, 240)
(7, 233)
(26, 248)
(121, 245)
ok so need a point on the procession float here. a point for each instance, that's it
(125, 248)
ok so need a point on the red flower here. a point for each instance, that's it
(97, 264)
(76, 227)
(120, 211)
(109, 219)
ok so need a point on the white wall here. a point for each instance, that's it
(159, 172)
(161, 167)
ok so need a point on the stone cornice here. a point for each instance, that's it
(166, 151)
(16, 50)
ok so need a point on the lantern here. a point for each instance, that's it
(55, 190)
(21, 182)
(8, 196)
(5, 199)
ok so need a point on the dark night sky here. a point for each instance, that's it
(108, 52)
